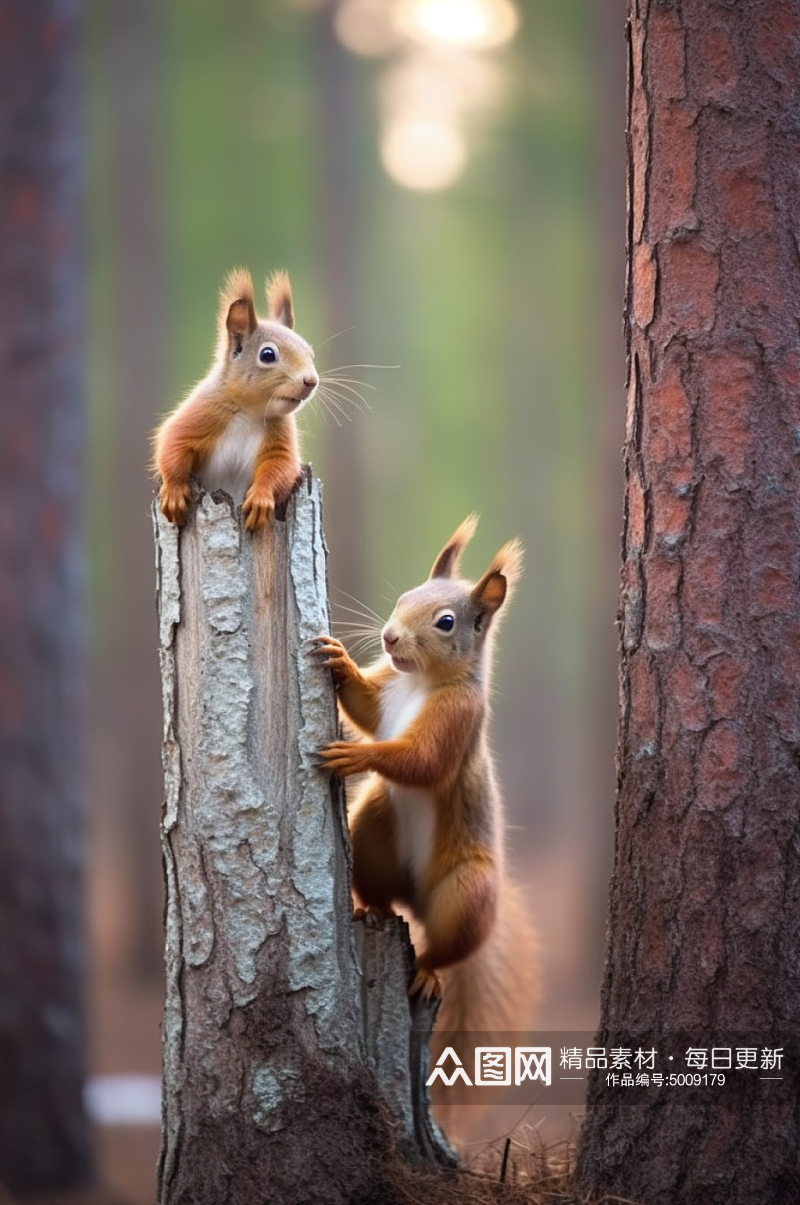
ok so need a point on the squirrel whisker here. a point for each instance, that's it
(366, 611)
(365, 644)
(333, 403)
(347, 384)
(358, 640)
(338, 335)
(346, 395)
(342, 367)
(328, 408)
(332, 374)
(357, 627)
(350, 396)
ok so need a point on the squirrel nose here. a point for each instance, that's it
(389, 638)
(311, 380)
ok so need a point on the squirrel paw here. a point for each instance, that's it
(258, 508)
(332, 654)
(175, 500)
(427, 985)
(345, 757)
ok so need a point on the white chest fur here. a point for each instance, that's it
(402, 701)
(414, 809)
(230, 466)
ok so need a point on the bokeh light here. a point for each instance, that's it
(473, 23)
(438, 77)
(423, 154)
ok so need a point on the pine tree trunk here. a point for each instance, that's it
(705, 895)
(289, 1073)
(44, 1138)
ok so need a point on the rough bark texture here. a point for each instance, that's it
(43, 1129)
(288, 1058)
(704, 944)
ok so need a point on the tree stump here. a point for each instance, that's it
(293, 1067)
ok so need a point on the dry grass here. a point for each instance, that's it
(515, 1169)
(519, 1168)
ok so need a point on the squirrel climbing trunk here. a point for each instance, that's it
(427, 824)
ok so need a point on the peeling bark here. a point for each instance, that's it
(291, 1072)
(705, 896)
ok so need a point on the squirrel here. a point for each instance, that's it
(236, 430)
(427, 825)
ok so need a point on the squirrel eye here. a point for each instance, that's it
(268, 354)
(446, 622)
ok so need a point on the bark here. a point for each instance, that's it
(288, 1057)
(43, 1129)
(705, 895)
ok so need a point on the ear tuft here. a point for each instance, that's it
(448, 560)
(499, 580)
(508, 561)
(280, 306)
(237, 311)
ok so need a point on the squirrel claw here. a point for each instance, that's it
(344, 757)
(174, 500)
(331, 652)
(325, 645)
(427, 985)
(257, 510)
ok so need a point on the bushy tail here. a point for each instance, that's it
(492, 993)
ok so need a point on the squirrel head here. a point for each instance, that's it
(266, 365)
(441, 628)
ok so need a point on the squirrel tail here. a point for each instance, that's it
(492, 993)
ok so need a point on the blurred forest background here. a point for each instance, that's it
(444, 181)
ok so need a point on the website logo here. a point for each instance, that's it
(493, 1066)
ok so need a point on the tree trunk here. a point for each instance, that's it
(43, 1130)
(705, 895)
(287, 1051)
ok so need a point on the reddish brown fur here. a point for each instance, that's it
(279, 299)
(449, 559)
(430, 754)
(275, 472)
(442, 752)
(240, 388)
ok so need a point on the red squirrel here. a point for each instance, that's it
(236, 429)
(427, 825)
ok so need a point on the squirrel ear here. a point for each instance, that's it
(448, 559)
(498, 581)
(237, 311)
(488, 597)
(280, 307)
